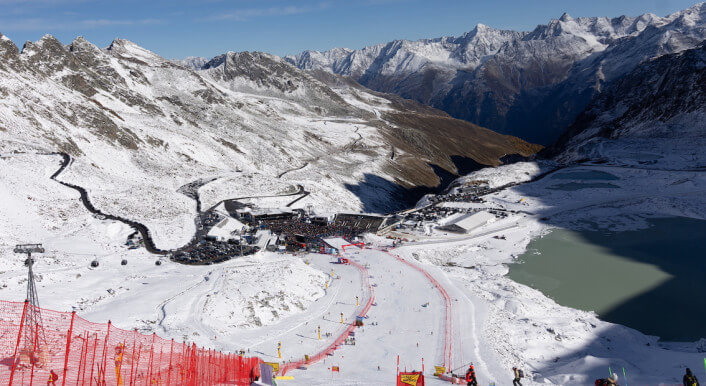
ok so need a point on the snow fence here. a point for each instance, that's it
(61, 348)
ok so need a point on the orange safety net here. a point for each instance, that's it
(69, 350)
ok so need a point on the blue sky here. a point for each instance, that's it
(179, 28)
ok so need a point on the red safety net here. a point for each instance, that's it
(68, 350)
(344, 334)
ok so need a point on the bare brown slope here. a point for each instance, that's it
(426, 142)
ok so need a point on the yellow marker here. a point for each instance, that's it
(319, 329)
(326, 284)
(356, 301)
(341, 317)
(279, 350)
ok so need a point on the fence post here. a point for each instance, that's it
(105, 355)
(17, 345)
(139, 353)
(150, 362)
(132, 357)
(192, 364)
(84, 356)
(80, 360)
(35, 343)
(207, 374)
(68, 348)
(93, 360)
(169, 373)
(226, 362)
(159, 362)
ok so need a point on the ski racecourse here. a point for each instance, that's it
(531, 203)
(438, 300)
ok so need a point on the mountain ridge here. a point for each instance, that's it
(132, 120)
(512, 82)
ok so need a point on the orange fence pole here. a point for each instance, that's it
(132, 357)
(149, 362)
(80, 358)
(93, 360)
(102, 374)
(84, 357)
(139, 353)
(171, 353)
(32, 356)
(68, 348)
(17, 345)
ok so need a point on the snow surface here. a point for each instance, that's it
(252, 303)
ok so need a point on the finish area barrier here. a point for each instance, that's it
(45, 347)
(342, 337)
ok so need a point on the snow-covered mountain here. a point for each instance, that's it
(662, 102)
(192, 62)
(516, 82)
(139, 127)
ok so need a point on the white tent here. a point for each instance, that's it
(465, 223)
(228, 228)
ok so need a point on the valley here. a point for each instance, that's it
(507, 199)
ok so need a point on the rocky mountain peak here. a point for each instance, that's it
(130, 51)
(9, 53)
(192, 62)
(260, 68)
(48, 55)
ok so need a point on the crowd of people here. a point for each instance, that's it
(212, 252)
(308, 233)
(471, 379)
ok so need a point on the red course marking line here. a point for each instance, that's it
(342, 337)
(448, 343)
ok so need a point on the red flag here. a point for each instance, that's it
(335, 368)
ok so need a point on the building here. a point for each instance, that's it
(464, 223)
(227, 229)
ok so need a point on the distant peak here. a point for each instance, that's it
(566, 17)
(47, 39)
(117, 42)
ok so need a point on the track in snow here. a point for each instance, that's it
(447, 359)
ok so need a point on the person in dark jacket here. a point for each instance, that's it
(471, 376)
(690, 379)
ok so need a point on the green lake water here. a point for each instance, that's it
(653, 280)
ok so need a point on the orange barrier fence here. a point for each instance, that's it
(61, 348)
(448, 326)
(345, 334)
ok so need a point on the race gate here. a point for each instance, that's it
(359, 245)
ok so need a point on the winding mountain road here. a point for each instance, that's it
(142, 229)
